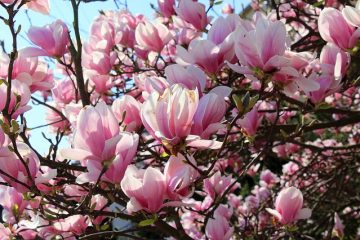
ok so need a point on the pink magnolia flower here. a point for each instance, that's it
(169, 118)
(179, 176)
(190, 76)
(53, 39)
(222, 34)
(64, 91)
(334, 28)
(127, 111)
(224, 210)
(8, 1)
(268, 179)
(204, 53)
(101, 83)
(5, 232)
(210, 112)
(166, 7)
(338, 229)
(125, 152)
(145, 188)
(152, 37)
(288, 206)
(76, 224)
(153, 83)
(251, 121)
(102, 36)
(334, 61)
(218, 228)
(284, 150)
(13, 203)
(18, 105)
(290, 168)
(260, 47)
(227, 9)
(42, 79)
(29, 70)
(98, 202)
(96, 135)
(12, 166)
(159, 112)
(56, 121)
(125, 24)
(193, 13)
(352, 14)
(333, 65)
(98, 145)
(41, 6)
(216, 184)
(185, 32)
(99, 62)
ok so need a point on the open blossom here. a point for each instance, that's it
(29, 70)
(13, 203)
(288, 206)
(227, 9)
(99, 202)
(98, 62)
(216, 184)
(166, 7)
(268, 179)
(152, 37)
(211, 110)
(334, 28)
(98, 144)
(127, 111)
(262, 46)
(56, 121)
(332, 65)
(189, 76)
(352, 14)
(41, 6)
(64, 91)
(185, 32)
(251, 121)
(145, 188)
(193, 13)
(203, 53)
(19, 98)
(218, 228)
(14, 167)
(222, 34)
(179, 176)
(169, 117)
(53, 39)
(76, 224)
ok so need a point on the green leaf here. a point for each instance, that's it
(238, 103)
(246, 100)
(292, 228)
(218, 3)
(104, 227)
(323, 105)
(15, 126)
(3, 81)
(147, 222)
(6, 128)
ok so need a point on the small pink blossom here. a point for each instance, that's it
(288, 206)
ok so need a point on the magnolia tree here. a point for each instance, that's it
(242, 126)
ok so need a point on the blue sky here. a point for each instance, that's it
(61, 9)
